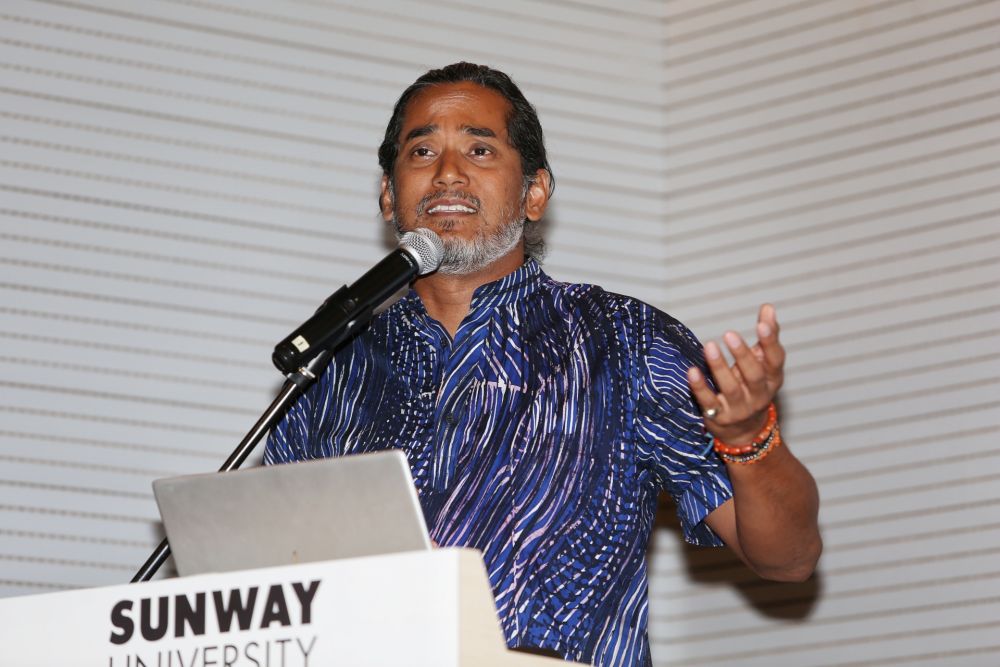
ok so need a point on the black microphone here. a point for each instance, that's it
(350, 308)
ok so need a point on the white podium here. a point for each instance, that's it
(432, 608)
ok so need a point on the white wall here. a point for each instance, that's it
(840, 160)
(181, 182)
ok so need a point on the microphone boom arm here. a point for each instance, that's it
(344, 312)
(294, 386)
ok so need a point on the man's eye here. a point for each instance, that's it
(481, 151)
(422, 152)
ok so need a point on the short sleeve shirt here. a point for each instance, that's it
(540, 435)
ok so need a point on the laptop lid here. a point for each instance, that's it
(341, 507)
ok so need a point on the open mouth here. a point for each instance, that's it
(450, 208)
(441, 204)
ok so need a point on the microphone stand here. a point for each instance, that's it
(342, 315)
(296, 383)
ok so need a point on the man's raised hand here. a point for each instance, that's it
(737, 412)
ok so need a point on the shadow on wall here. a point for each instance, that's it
(706, 565)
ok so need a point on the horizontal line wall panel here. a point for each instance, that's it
(308, 33)
(829, 27)
(411, 19)
(589, 18)
(838, 160)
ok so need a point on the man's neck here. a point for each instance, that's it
(448, 298)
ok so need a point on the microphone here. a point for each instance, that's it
(350, 308)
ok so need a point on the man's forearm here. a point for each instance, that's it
(776, 506)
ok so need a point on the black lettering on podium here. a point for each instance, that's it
(224, 612)
(186, 615)
(306, 596)
(150, 632)
(275, 609)
(121, 620)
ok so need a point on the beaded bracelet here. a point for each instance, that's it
(768, 438)
(772, 442)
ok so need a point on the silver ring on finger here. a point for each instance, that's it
(711, 413)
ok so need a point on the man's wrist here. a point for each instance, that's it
(758, 445)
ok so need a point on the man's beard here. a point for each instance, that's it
(465, 256)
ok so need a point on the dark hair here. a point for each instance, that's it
(523, 128)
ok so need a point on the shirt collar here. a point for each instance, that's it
(512, 287)
(509, 289)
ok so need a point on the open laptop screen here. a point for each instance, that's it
(342, 507)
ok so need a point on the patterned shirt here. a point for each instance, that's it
(541, 435)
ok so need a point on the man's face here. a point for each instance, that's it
(457, 174)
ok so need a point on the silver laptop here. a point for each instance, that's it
(342, 507)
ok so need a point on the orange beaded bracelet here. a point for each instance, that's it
(772, 443)
(768, 438)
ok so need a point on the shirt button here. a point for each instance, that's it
(450, 419)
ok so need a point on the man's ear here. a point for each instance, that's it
(385, 199)
(537, 198)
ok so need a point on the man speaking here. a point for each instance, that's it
(541, 419)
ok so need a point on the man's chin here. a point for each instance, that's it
(447, 225)
(468, 248)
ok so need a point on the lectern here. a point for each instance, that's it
(427, 608)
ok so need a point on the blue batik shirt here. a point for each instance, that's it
(541, 435)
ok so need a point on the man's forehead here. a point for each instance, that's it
(466, 106)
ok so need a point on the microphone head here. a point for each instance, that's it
(425, 247)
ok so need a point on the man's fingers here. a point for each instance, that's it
(767, 335)
(774, 352)
(725, 381)
(769, 316)
(748, 370)
(767, 323)
(702, 392)
(733, 393)
(747, 386)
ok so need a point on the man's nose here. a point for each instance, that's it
(450, 171)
